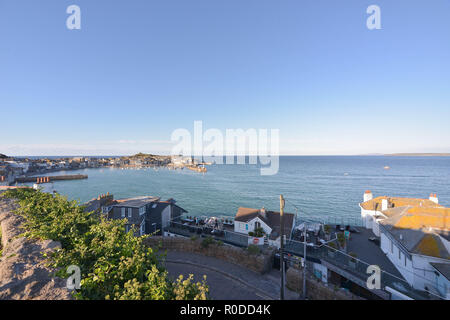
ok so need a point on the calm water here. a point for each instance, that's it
(320, 186)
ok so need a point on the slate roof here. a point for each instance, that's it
(137, 202)
(271, 218)
(442, 268)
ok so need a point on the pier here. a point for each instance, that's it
(53, 178)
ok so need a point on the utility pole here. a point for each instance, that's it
(282, 246)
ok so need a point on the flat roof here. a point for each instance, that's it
(136, 202)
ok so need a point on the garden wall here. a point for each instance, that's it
(260, 263)
(315, 290)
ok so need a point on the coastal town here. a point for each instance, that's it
(19, 169)
(406, 239)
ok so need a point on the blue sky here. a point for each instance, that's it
(139, 69)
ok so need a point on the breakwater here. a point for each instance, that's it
(52, 178)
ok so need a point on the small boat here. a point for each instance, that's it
(386, 167)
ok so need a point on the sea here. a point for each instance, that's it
(316, 188)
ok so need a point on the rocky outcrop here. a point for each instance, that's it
(23, 270)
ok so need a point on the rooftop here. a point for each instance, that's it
(271, 218)
(375, 203)
(136, 202)
(442, 268)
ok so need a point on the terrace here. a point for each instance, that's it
(220, 228)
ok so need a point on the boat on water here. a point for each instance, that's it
(386, 167)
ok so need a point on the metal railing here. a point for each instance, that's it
(227, 236)
(354, 266)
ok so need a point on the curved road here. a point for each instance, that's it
(226, 281)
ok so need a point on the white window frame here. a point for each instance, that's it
(142, 210)
(122, 212)
(130, 212)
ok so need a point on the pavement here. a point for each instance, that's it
(227, 281)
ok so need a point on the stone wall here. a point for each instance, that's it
(23, 270)
(260, 263)
(315, 290)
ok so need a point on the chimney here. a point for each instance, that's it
(368, 195)
(434, 198)
(384, 204)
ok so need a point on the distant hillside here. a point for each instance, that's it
(420, 154)
(2, 156)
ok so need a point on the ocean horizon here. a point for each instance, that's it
(315, 187)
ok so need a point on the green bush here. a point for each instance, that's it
(114, 264)
(341, 239)
(259, 232)
(253, 249)
(207, 241)
(353, 256)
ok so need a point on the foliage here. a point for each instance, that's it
(341, 239)
(353, 256)
(253, 249)
(114, 264)
(207, 241)
(258, 233)
(333, 246)
(326, 228)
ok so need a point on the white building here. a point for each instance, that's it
(414, 235)
(248, 220)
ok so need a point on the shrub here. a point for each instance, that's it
(253, 249)
(353, 256)
(207, 241)
(114, 264)
(341, 239)
(332, 246)
(259, 232)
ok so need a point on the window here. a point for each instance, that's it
(392, 246)
(141, 211)
(399, 254)
(122, 212)
(257, 225)
(129, 212)
(142, 228)
(405, 260)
